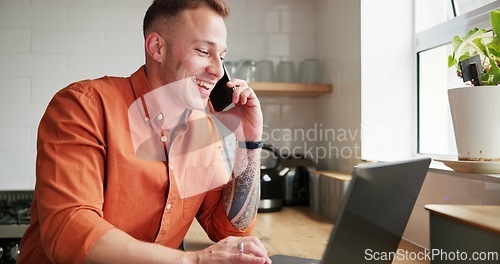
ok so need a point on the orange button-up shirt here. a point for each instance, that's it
(90, 178)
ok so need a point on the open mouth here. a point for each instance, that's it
(206, 86)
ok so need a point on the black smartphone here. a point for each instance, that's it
(222, 96)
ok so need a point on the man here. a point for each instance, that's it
(124, 165)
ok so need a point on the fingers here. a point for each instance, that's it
(224, 257)
(242, 93)
(251, 248)
(243, 258)
(252, 245)
(259, 244)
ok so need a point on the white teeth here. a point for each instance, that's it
(203, 84)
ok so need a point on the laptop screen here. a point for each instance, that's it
(375, 210)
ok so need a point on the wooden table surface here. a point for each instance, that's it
(292, 231)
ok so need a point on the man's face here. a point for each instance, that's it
(195, 50)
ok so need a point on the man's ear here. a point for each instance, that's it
(154, 44)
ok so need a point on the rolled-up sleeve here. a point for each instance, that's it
(70, 174)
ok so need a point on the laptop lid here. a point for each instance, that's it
(375, 210)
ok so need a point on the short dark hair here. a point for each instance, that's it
(172, 8)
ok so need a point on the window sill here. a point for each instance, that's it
(438, 167)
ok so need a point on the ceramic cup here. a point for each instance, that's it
(286, 71)
(310, 71)
(246, 70)
(264, 71)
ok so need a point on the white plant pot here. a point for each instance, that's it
(475, 113)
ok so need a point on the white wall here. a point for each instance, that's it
(339, 35)
(388, 94)
(47, 44)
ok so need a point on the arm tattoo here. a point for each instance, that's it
(242, 193)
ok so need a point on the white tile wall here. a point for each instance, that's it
(33, 65)
(338, 30)
(68, 41)
(14, 40)
(105, 18)
(47, 44)
(67, 2)
(254, 21)
(15, 90)
(15, 139)
(124, 42)
(22, 16)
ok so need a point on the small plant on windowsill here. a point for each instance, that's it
(476, 56)
(476, 111)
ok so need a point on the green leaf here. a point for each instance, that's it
(465, 56)
(486, 44)
(451, 61)
(494, 46)
(457, 42)
(495, 21)
(471, 33)
(480, 45)
(467, 44)
(494, 73)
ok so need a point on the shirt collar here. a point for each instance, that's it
(141, 87)
(140, 82)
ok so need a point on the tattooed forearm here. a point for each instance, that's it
(242, 193)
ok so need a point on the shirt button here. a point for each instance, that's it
(160, 116)
(171, 167)
(164, 138)
(169, 206)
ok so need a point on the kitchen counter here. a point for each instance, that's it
(292, 231)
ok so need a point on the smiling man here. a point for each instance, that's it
(125, 165)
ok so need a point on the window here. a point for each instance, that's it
(437, 22)
(465, 6)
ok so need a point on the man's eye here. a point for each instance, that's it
(202, 51)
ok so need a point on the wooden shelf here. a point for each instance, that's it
(480, 216)
(291, 89)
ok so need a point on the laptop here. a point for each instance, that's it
(373, 214)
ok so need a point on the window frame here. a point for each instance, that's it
(442, 34)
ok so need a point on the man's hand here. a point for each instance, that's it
(242, 193)
(245, 119)
(228, 251)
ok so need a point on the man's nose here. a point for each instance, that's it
(216, 68)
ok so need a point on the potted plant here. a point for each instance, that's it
(475, 108)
